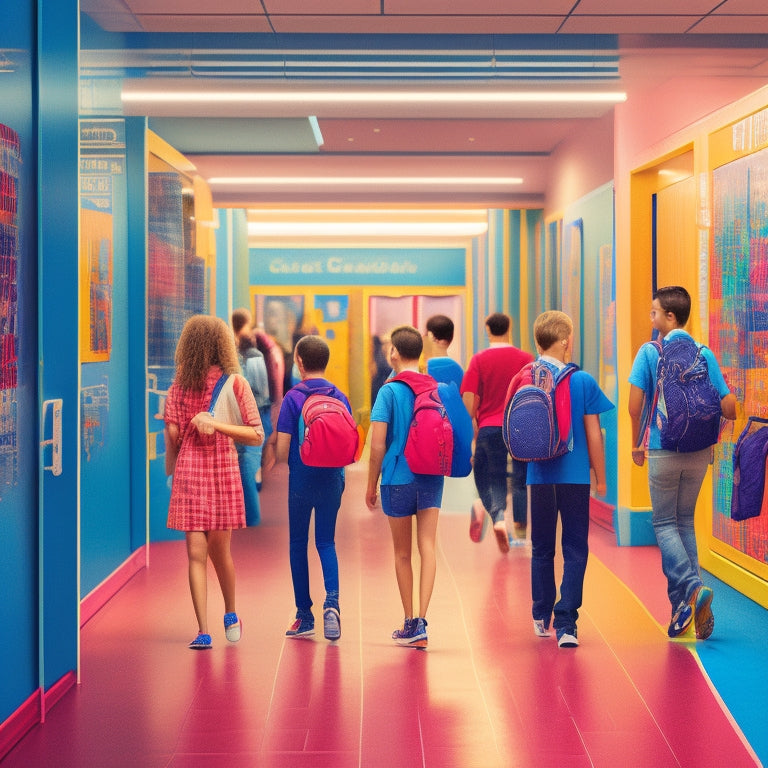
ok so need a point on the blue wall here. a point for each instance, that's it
(18, 500)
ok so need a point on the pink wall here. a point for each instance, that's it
(581, 164)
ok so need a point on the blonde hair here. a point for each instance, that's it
(551, 327)
(204, 341)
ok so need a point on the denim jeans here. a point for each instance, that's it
(490, 472)
(674, 480)
(325, 497)
(249, 460)
(572, 503)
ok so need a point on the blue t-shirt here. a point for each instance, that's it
(573, 467)
(445, 369)
(288, 422)
(643, 375)
(394, 406)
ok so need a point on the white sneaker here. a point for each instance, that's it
(539, 629)
(567, 640)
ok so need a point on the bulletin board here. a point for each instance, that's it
(738, 317)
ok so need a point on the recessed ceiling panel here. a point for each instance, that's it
(235, 135)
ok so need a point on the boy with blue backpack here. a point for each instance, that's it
(315, 478)
(676, 399)
(561, 484)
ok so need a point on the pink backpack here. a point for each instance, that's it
(328, 435)
(429, 445)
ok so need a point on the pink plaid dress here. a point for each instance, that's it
(207, 494)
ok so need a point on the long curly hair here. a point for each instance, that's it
(204, 341)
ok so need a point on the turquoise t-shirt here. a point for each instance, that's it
(573, 467)
(445, 369)
(394, 406)
(643, 375)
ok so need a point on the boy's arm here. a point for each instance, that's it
(596, 450)
(728, 406)
(378, 449)
(636, 399)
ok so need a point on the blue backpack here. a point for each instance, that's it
(686, 403)
(537, 416)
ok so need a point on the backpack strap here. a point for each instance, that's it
(649, 406)
(216, 391)
(326, 389)
(418, 382)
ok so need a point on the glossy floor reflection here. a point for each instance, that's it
(487, 693)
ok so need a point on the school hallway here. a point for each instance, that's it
(487, 693)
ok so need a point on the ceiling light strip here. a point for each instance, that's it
(365, 180)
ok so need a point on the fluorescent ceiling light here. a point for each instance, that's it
(303, 229)
(503, 181)
(374, 96)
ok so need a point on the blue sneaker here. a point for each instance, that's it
(331, 623)
(201, 643)
(233, 627)
(567, 637)
(681, 619)
(413, 634)
(303, 626)
(702, 612)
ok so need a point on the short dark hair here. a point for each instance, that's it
(314, 353)
(497, 323)
(407, 341)
(675, 299)
(441, 327)
(240, 318)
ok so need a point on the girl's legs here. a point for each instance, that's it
(426, 535)
(221, 557)
(197, 555)
(401, 528)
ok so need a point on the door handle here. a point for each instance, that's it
(51, 419)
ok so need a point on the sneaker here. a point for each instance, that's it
(201, 643)
(331, 624)
(478, 521)
(233, 627)
(502, 539)
(540, 629)
(703, 619)
(413, 634)
(567, 638)
(681, 619)
(301, 627)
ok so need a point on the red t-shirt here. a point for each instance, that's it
(488, 377)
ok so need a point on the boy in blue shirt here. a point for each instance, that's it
(309, 488)
(404, 495)
(675, 478)
(440, 366)
(562, 485)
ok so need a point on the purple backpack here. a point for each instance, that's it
(687, 405)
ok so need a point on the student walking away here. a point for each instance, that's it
(311, 486)
(675, 423)
(254, 368)
(560, 486)
(404, 495)
(209, 407)
(484, 389)
(439, 338)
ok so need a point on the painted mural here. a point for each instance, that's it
(738, 321)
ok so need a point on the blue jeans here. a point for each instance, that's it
(675, 480)
(572, 503)
(324, 496)
(249, 460)
(490, 472)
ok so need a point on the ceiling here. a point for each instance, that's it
(370, 117)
